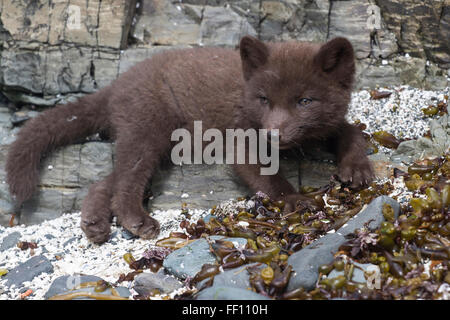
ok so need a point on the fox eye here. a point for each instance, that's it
(264, 100)
(304, 102)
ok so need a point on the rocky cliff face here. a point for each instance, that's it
(55, 50)
(52, 48)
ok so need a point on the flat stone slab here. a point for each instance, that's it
(10, 241)
(237, 277)
(28, 270)
(188, 261)
(65, 284)
(305, 263)
(145, 282)
(229, 293)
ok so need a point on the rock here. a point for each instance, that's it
(54, 23)
(37, 59)
(65, 178)
(351, 19)
(73, 47)
(132, 56)
(188, 261)
(7, 132)
(66, 284)
(439, 143)
(69, 241)
(316, 173)
(96, 162)
(409, 70)
(21, 116)
(223, 27)
(435, 78)
(382, 165)
(127, 234)
(10, 241)
(53, 53)
(420, 32)
(165, 23)
(370, 73)
(305, 263)
(145, 282)
(228, 293)
(237, 277)
(206, 185)
(293, 20)
(399, 70)
(28, 270)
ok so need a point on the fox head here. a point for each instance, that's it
(302, 89)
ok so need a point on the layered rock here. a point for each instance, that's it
(422, 28)
(54, 51)
(53, 48)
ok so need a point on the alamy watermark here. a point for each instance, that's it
(237, 150)
(374, 19)
(374, 277)
(74, 17)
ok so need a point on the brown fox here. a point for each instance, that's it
(302, 89)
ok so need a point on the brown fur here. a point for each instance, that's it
(257, 87)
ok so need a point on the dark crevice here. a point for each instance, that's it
(329, 20)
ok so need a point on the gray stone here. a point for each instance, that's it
(10, 241)
(37, 59)
(188, 260)
(228, 293)
(223, 27)
(305, 263)
(28, 270)
(436, 146)
(65, 178)
(410, 70)
(96, 162)
(436, 78)
(66, 284)
(372, 213)
(208, 217)
(132, 56)
(303, 20)
(165, 23)
(127, 234)
(237, 277)
(205, 185)
(145, 282)
(69, 241)
(370, 73)
(419, 31)
(398, 70)
(350, 19)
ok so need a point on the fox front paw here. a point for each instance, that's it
(96, 229)
(142, 226)
(358, 172)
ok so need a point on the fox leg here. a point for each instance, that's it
(96, 214)
(138, 154)
(353, 164)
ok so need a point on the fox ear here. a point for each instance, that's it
(336, 57)
(254, 54)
